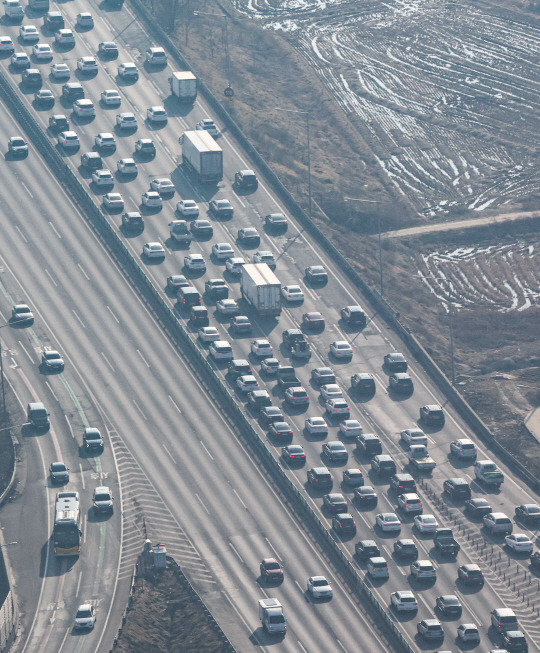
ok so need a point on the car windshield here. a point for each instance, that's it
(58, 467)
(84, 614)
(103, 496)
(272, 565)
(320, 583)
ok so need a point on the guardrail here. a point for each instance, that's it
(134, 576)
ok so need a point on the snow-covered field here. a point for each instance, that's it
(446, 92)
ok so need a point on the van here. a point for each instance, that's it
(189, 296)
(91, 161)
(504, 619)
(32, 77)
(37, 415)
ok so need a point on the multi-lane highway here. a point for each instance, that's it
(121, 366)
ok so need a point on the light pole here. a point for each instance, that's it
(228, 90)
(358, 199)
(305, 113)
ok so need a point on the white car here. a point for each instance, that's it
(156, 114)
(341, 349)
(52, 360)
(207, 125)
(42, 51)
(128, 70)
(111, 97)
(87, 65)
(410, 503)
(85, 617)
(265, 257)
(350, 428)
(153, 250)
(261, 347)
(6, 44)
(292, 293)
(28, 33)
(404, 601)
(463, 448)
(331, 391)
(68, 139)
(413, 436)
(127, 166)
(221, 350)
(208, 334)
(84, 108)
(426, 523)
(337, 407)
(270, 365)
(195, 262)
(234, 265)
(103, 177)
(222, 251)
(105, 140)
(423, 570)
(152, 199)
(227, 307)
(188, 208)
(388, 522)
(113, 201)
(156, 56)
(163, 185)
(64, 37)
(247, 383)
(519, 543)
(60, 71)
(468, 633)
(316, 426)
(319, 587)
(85, 20)
(126, 120)
(20, 60)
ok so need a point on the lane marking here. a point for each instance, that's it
(202, 503)
(142, 357)
(237, 554)
(240, 499)
(24, 349)
(21, 234)
(108, 363)
(114, 316)
(204, 447)
(82, 270)
(51, 390)
(50, 277)
(55, 230)
(78, 318)
(140, 411)
(175, 404)
(82, 475)
(26, 189)
(168, 453)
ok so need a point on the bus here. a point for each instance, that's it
(67, 532)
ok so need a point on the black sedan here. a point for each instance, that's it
(280, 430)
(477, 507)
(272, 414)
(316, 274)
(449, 605)
(293, 453)
(323, 375)
(528, 513)
(258, 399)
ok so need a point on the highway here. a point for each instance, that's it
(122, 361)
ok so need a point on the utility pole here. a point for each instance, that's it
(228, 92)
(377, 209)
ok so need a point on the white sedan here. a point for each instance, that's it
(111, 97)
(163, 185)
(388, 522)
(195, 262)
(316, 426)
(188, 208)
(153, 250)
(319, 587)
(292, 293)
(413, 436)
(341, 349)
(152, 199)
(207, 125)
(426, 523)
(42, 51)
(227, 307)
(350, 428)
(113, 201)
(222, 251)
(261, 347)
(247, 383)
(519, 543)
(28, 33)
(60, 71)
(208, 334)
(331, 391)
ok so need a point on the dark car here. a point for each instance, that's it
(176, 281)
(477, 507)
(145, 147)
(312, 321)
(320, 478)
(133, 220)
(290, 336)
(323, 376)
(344, 524)
(366, 549)
(401, 382)
(276, 221)
(44, 98)
(245, 179)
(363, 382)
(59, 472)
(366, 496)
(405, 548)
(514, 641)
(92, 440)
(271, 414)
(199, 316)
(32, 77)
(535, 561)
(354, 316)
(471, 574)
(280, 430)
(108, 49)
(369, 444)
(189, 296)
(316, 274)
(528, 513)
(432, 414)
(241, 324)
(216, 289)
(293, 453)
(239, 367)
(402, 483)
(58, 123)
(457, 488)
(221, 209)
(249, 236)
(54, 21)
(72, 91)
(201, 228)
(395, 362)
(271, 570)
(449, 605)
(335, 502)
(258, 399)
(383, 464)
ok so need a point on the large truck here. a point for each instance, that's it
(272, 617)
(183, 85)
(488, 472)
(202, 155)
(67, 517)
(261, 288)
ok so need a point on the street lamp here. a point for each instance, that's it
(305, 113)
(357, 199)
(228, 90)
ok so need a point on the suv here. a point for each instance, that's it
(498, 523)
(395, 362)
(102, 499)
(504, 619)
(354, 316)
(189, 296)
(432, 414)
(92, 440)
(91, 161)
(199, 316)
(133, 220)
(401, 382)
(246, 179)
(369, 444)
(290, 336)
(320, 478)
(383, 464)
(514, 641)
(363, 382)
(54, 21)
(402, 483)
(405, 548)
(430, 629)
(239, 367)
(470, 574)
(410, 503)
(366, 549)
(216, 289)
(72, 91)
(32, 77)
(58, 123)
(457, 488)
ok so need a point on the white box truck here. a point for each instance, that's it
(261, 288)
(202, 155)
(183, 85)
(272, 617)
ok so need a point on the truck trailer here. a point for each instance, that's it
(261, 288)
(202, 155)
(183, 85)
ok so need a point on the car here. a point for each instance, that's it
(316, 274)
(261, 347)
(42, 51)
(32, 77)
(413, 436)
(264, 256)
(457, 488)
(514, 641)
(519, 543)
(156, 56)
(529, 513)
(344, 524)
(426, 523)
(341, 349)
(84, 108)
(20, 60)
(335, 450)
(350, 428)
(199, 315)
(152, 199)
(403, 601)
(320, 478)
(68, 140)
(207, 125)
(64, 37)
(401, 382)
(92, 440)
(296, 396)
(59, 472)
(28, 33)
(388, 522)
(423, 570)
(377, 567)
(464, 449)
(271, 570)
(535, 561)
(383, 464)
(156, 114)
(270, 366)
(208, 334)
(275, 221)
(234, 265)
(395, 362)
(127, 167)
(366, 496)
(271, 414)
(241, 324)
(293, 453)
(410, 503)
(44, 98)
(291, 336)
(353, 316)
(60, 71)
(85, 617)
(292, 293)
(322, 376)
(249, 236)
(128, 71)
(245, 179)
(313, 321)
(105, 141)
(432, 414)
(331, 391)
(145, 147)
(337, 408)
(111, 97)
(366, 549)
(188, 208)
(221, 208)
(221, 350)
(353, 477)
(103, 177)
(201, 228)
(72, 91)
(227, 307)
(449, 605)
(126, 120)
(405, 548)
(85, 20)
(258, 399)
(115, 201)
(92, 161)
(216, 289)
(21, 314)
(53, 20)
(87, 65)
(6, 44)
(153, 250)
(498, 523)
(319, 588)
(316, 426)
(247, 383)
(363, 382)
(179, 232)
(369, 444)
(108, 49)
(102, 500)
(468, 633)
(195, 262)
(471, 574)
(335, 502)
(222, 251)
(58, 122)
(402, 483)
(430, 629)
(478, 507)
(280, 430)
